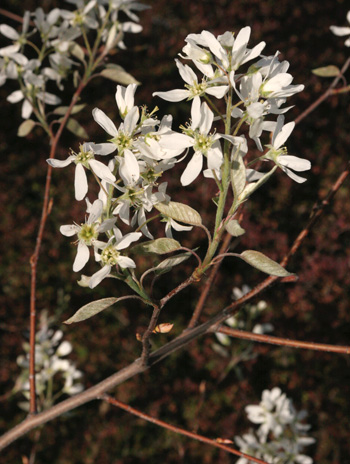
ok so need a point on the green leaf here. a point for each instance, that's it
(118, 74)
(166, 265)
(77, 51)
(238, 174)
(160, 246)
(91, 309)
(327, 71)
(179, 212)
(25, 128)
(233, 227)
(62, 110)
(263, 263)
(78, 130)
(250, 188)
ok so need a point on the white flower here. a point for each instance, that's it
(341, 31)
(86, 158)
(110, 255)
(125, 98)
(170, 223)
(287, 163)
(87, 233)
(195, 89)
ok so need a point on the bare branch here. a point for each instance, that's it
(179, 430)
(281, 341)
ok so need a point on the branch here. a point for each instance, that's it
(325, 95)
(179, 430)
(281, 341)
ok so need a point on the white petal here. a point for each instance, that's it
(340, 31)
(55, 163)
(295, 163)
(293, 176)
(129, 169)
(15, 96)
(80, 182)
(95, 211)
(102, 171)
(27, 109)
(104, 121)
(283, 135)
(96, 278)
(131, 120)
(69, 230)
(124, 261)
(173, 95)
(82, 257)
(9, 32)
(218, 91)
(103, 149)
(195, 112)
(193, 169)
(125, 241)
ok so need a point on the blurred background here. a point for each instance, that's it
(203, 388)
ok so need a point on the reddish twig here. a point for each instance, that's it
(148, 333)
(204, 294)
(35, 256)
(281, 341)
(13, 16)
(179, 430)
(317, 211)
(325, 95)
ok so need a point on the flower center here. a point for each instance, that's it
(202, 142)
(83, 157)
(122, 141)
(197, 89)
(110, 255)
(88, 233)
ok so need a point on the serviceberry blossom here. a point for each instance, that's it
(341, 31)
(278, 154)
(87, 233)
(281, 436)
(86, 159)
(110, 255)
(50, 351)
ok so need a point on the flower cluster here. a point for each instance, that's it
(51, 369)
(60, 31)
(281, 436)
(141, 148)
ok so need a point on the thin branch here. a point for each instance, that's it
(15, 17)
(179, 430)
(35, 256)
(148, 333)
(204, 294)
(317, 211)
(281, 341)
(325, 95)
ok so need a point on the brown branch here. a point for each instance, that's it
(13, 16)
(325, 95)
(316, 213)
(148, 333)
(179, 430)
(281, 341)
(204, 294)
(35, 256)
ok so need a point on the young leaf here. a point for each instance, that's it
(263, 263)
(179, 212)
(90, 309)
(77, 51)
(166, 265)
(78, 130)
(327, 71)
(163, 328)
(118, 74)
(238, 174)
(234, 228)
(25, 128)
(160, 246)
(62, 110)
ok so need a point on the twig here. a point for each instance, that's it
(325, 95)
(281, 341)
(316, 213)
(35, 256)
(204, 294)
(179, 430)
(148, 333)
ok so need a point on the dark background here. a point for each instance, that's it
(316, 308)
